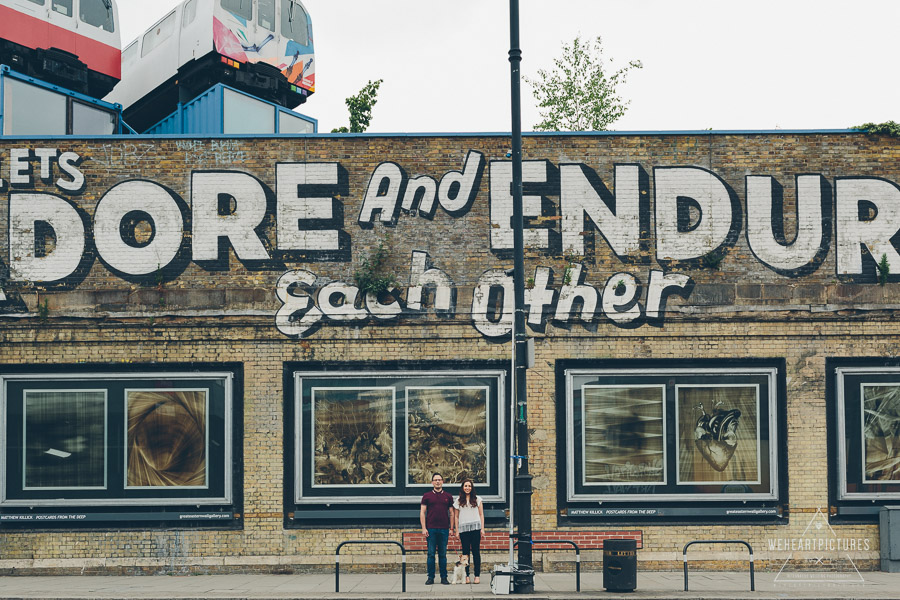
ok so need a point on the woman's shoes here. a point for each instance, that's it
(477, 580)
(467, 580)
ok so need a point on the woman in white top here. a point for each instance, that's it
(468, 516)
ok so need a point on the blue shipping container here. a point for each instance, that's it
(225, 110)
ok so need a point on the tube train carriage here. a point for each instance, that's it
(263, 47)
(71, 43)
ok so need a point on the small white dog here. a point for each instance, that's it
(459, 570)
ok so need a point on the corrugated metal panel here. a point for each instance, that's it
(200, 116)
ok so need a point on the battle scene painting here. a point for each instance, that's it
(447, 429)
(881, 433)
(718, 434)
(353, 436)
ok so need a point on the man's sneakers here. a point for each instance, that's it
(429, 581)
(445, 581)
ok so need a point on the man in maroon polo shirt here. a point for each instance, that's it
(436, 525)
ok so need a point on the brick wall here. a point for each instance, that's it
(747, 301)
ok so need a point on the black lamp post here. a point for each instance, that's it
(522, 480)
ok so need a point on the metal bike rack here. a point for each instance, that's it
(689, 544)
(337, 559)
(577, 557)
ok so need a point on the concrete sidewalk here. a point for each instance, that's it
(651, 585)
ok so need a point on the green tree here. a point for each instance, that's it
(579, 93)
(360, 107)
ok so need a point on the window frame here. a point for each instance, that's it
(136, 498)
(631, 500)
(879, 372)
(298, 496)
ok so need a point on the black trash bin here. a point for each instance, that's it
(619, 565)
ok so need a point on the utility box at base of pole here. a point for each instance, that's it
(889, 528)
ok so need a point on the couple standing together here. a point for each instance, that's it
(442, 515)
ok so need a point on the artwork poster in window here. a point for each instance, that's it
(447, 429)
(354, 436)
(718, 431)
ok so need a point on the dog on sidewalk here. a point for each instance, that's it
(459, 570)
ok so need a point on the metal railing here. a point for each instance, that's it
(689, 544)
(337, 560)
(577, 557)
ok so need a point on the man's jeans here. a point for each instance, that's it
(437, 539)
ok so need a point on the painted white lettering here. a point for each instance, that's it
(539, 295)
(338, 301)
(533, 171)
(499, 326)
(20, 166)
(422, 276)
(710, 196)
(167, 225)
(659, 282)
(238, 227)
(573, 290)
(424, 186)
(875, 233)
(760, 235)
(25, 211)
(457, 189)
(620, 302)
(579, 199)
(387, 178)
(46, 156)
(384, 312)
(67, 164)
(294, 208)
(298, 314)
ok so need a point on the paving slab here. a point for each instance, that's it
(555, 586)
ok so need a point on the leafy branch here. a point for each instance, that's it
(370, 278)
(360, 107)
(888, 128)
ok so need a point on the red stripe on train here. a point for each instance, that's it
(33, 32)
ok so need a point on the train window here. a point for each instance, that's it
(98, 13)
(266, 16)
(41, 2)
(294, 22)
(190, 12)
(240, 8)
(158, 34)
(88, 120)
(63, 7)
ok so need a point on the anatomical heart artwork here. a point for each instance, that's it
(166, 442)
(881, 433)
(718, 434)
(447, 433)
(354, 436)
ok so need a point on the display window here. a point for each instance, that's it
(366, 433)
(864, 428)
(666, 438)
(108, 445)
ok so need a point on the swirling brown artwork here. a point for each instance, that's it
(354, 436)
(166, 439)
(447, 434)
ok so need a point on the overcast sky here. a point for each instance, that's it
(766, 64)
